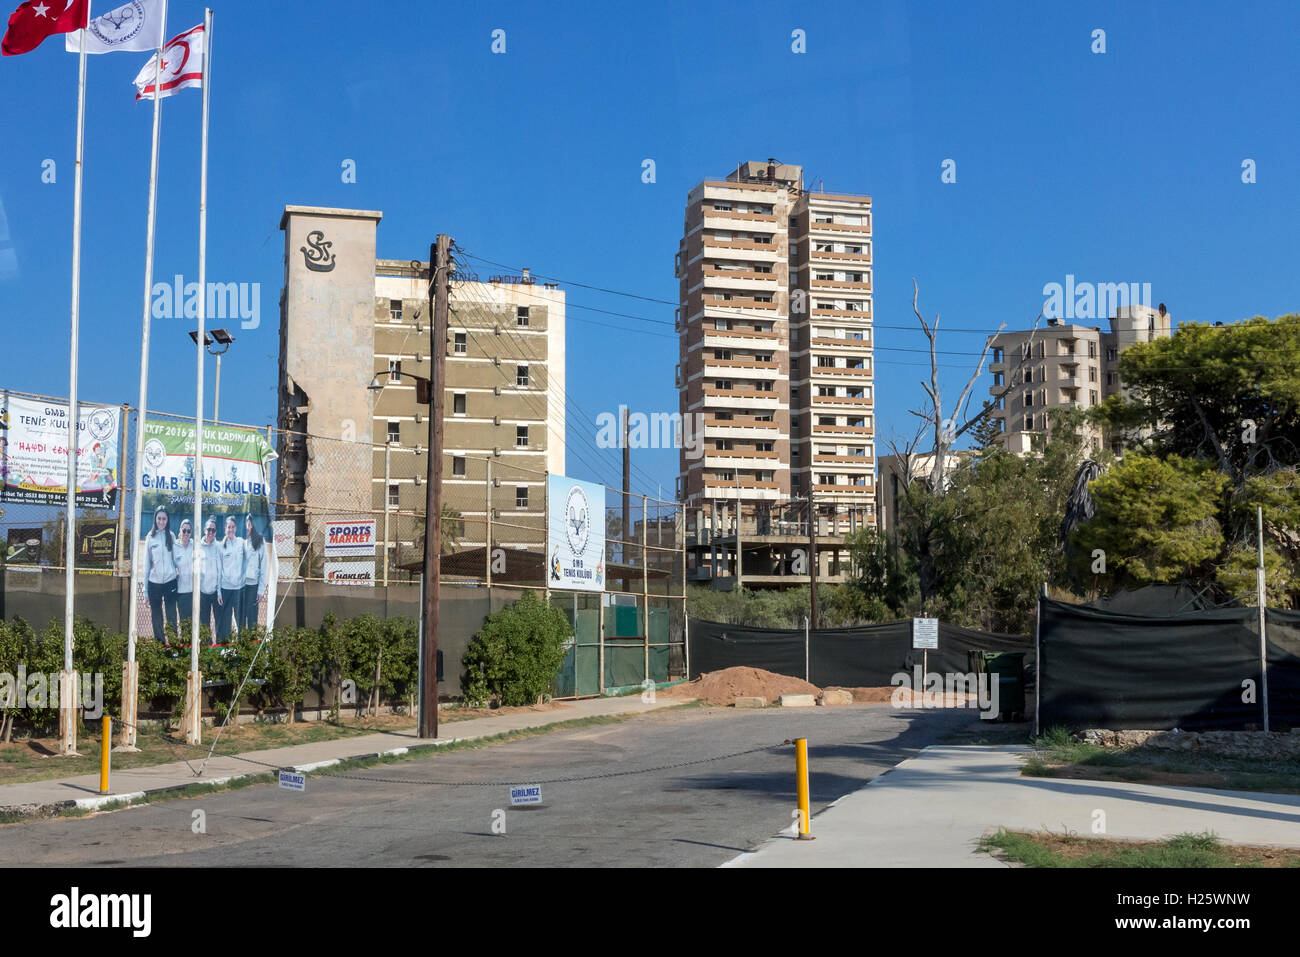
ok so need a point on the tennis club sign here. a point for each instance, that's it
(575, 534)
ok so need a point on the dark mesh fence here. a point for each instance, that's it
(1194, 671)
(866, 656)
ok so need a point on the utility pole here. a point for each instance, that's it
(812, 552)
(627, 485)
(439, 283)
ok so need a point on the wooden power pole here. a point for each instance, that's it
(439, 288)
(812, 552)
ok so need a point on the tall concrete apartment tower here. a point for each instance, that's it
(775, 357)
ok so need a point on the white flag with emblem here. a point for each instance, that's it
(136, 26)
(182, 66)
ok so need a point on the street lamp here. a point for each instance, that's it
(223, 338)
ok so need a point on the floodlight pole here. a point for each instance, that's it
(1263, 616)
(439, 283)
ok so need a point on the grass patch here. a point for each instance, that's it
(1055, 755)
(1181, 851)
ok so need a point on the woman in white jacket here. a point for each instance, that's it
(160, 572)
(254, 575)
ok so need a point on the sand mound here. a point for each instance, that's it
(723, 687)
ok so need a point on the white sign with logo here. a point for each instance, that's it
(293, 781)
(350, 573)
(350, 539)
(575, 534)
(925, 633)
(525, 794)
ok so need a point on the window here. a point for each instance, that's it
(458, 403)
(521, 436)
(1092, 395)
(1092, 350)
(395, 432)
(458, 465)
(722, 384)
(825, 479)
(1029, 399)
(826, 390)
(720, 207)
(1110, 378)
(394, 370)
(1092, 373)
(826, 362)
(722, 354)
(521, 315)
(460, 344)
(1029, 423)
(521, 496)
(395, 310)
(394, 498)
(521, 376)
(1111, 353)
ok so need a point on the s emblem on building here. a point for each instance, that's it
(316, 254)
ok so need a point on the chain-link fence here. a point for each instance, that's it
(348, 524)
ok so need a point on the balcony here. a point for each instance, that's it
(857, 345)
(747, 489)
(740, 369)
(845, 284)
(864, 430)
(840, 372)
(729, 306)
(821, 255)
(863, 314)
(853, 402)
(740, 427)
(866, 461)
(715, 398)
(862, 230)
(845, 489)
(740, 338)
(741, 459)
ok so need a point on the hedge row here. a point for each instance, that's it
(379, 656)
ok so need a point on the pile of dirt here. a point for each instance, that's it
(723, 687)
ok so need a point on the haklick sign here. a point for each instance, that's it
(925, 633)
(34, 453)
(575, 534)
(350, 573)
(350, 539)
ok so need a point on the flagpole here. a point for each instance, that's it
(129, 683)
(194, 703)
(68, 680)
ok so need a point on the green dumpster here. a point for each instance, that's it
(1007, 668)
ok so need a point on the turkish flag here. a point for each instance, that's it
(37, 20)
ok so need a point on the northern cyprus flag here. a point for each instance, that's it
(137, 26)
(182, 66)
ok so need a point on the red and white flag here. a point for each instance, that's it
(182, 66)
(37, 20)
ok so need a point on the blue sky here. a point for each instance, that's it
(1114, 167)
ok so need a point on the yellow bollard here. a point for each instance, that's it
(801, 783)
(105, 749)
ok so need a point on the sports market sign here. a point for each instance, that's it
(350, 539)
(34, 453)
(575, 534)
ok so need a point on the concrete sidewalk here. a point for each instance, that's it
(931, 810)
(37, 797)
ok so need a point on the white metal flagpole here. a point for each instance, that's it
(68, 680)
(194, 690)
(129, 698)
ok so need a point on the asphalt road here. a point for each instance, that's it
(702, 814)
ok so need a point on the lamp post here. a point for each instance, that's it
(219, 337)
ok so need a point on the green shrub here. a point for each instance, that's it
(515, 655)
